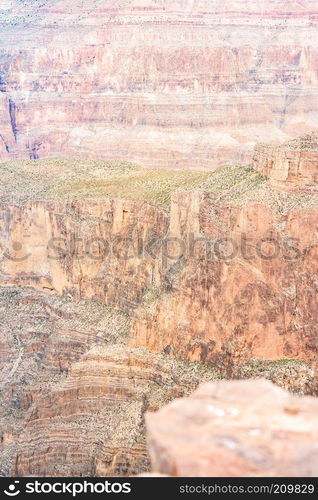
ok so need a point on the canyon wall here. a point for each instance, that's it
(216, 268)
(246, 266)
(292, 165)
(247, 274)
(73, 394)
(110, 307)
(88, 249)
(182, 84)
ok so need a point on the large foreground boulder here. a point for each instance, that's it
(236, 428)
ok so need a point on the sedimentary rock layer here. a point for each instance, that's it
(73, 394)
(236, 261)
(252, 276)
(84, 248)
(243, 270)
(183, 83)
(291, 165)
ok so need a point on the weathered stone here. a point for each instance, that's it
(235, 429)
(291, 165)
(262, 288)
(191, 293)
(73, 394)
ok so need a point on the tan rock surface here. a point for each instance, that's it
(77, 376)
(73, 394)
(291, 165)
(260, 286)
(235, 429)
(191, 293)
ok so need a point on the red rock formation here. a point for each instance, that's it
(73, 394)
(227, 264)
(91, 423)
(235, 266)
(164, 83)
(235, 429)
(291, 165)
(84, 248)
(246, 272)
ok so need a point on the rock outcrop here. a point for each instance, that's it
(183, 84)
(228, 262)
(235, 429)
(248, 270)
(292, 165)
(225, 277)
(83, 248)
(73, 394)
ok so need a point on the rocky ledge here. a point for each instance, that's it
(293, 165)
(145, 293)
(73, 394)
(226, 257)
(236, 429)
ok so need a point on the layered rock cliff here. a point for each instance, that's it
(73, 394)
(232, 259)
(209, 278)
(293, 165)
(245, 270)
(183, 83)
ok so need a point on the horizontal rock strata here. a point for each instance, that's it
(232, 259)
(182, 84)
(73, 394)
(292, 165)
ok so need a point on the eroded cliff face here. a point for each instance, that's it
(248, 271)
(245, 265)
(85, 248)
(183, 83)
(73, 394)
(241, 262)
(293, 165)
(91, 283)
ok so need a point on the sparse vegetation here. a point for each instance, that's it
(294, 375)
(46, 335)
(72, 178)
(47, 179)
(58, 178)
(235, 361)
